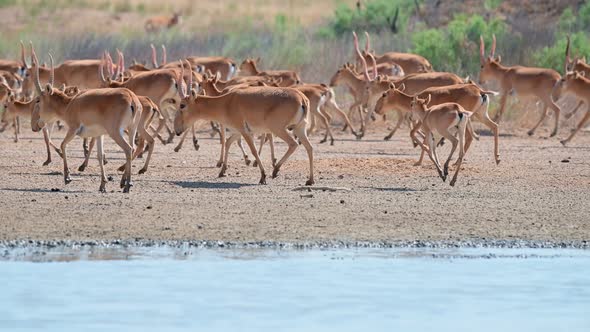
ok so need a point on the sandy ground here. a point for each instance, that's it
(531, 195)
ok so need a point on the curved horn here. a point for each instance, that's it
(52, 72)
(190, 74)
(101, 69)
(22, 55)
(109, 65)
(164, 56)
(375, 74)
(154, 60)
(358, 53)
(367, 42)
(181, 84)
(482, 50)
(35, 61)
(493, 51)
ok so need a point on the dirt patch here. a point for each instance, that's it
(531, 195)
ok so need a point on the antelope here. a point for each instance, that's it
(468, 95)
(577, 84)
(448, 120)
(539, 83)
(148, 111)
(92, 113)
(577, 65)
(159, 85)
(410, 63)
(287, 77)
(79, 73)
(247, 110)
(159, 23)
(10, 79)
(14, 110)
(226, 67)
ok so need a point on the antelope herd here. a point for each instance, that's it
(133, 105)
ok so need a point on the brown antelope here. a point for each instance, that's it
(287, 77)
(448, 120)
(159, 85)
(79, 73)
(14, 110)
(10, 79)
(15, 67)
(92, 113)
(248, 110)
(538, 83)
(410, 63)
(576, 83)
(149, 110)
(576, 65)
(468, 95)
(411, 84)
(159, 23)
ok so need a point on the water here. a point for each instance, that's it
(262, 290)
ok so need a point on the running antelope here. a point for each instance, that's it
(252, 109)
(92, 113)
(447, 120)
(410, 84)
(468, 95)
(576, 83)
(159, 85)
(287, 77)
(576, 65)
(159, 23)
(538, 83)
(410, 63)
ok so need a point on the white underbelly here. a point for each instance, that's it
(90, 131)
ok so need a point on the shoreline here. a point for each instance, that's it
(306, 245)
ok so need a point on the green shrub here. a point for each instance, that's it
(375, 15)
(554, 56)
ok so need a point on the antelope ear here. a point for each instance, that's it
(582, 73)
(257, 60)
(193, 93)
(583, 59)
(391, 86)
(62, 88)
(499, 59)
(402, 87)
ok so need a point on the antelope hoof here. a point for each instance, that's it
(127, 187)
(104, 161)
(219, 163)
(388, 137)
(332, 142)
(323, 140)
(82, 168)
(446, 171)
(275, 172)
(102, 188)
(563, 142)
(418, 163)
(452, 183)
(170, 138)
(222, 172)
(310, 182)
(248, 161)
(262, 179)
(498, 160)
(121, 168)
(553, 134)
(176, 149)
(274, 162)
(47, 162)
(67, 179)
(142, 171)
(345, 127)
(196, 144)
(530, 132)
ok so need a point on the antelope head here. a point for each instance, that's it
(187, 97)
(489, 64)
(45, 106)
(250, 66)
(388, 97)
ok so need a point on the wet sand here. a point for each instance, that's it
(533, 197)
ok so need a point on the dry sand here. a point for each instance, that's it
(532, 195)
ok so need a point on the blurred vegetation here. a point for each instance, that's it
(317, 51)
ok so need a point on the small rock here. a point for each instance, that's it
(33, 200)
(55, 190)
(110, 178)
(565, 161)
(149, 207)
(340, 177)
(66, 197)
(341, 201)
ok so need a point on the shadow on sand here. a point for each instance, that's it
(210, 185)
